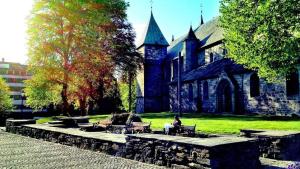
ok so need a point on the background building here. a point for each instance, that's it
(14, 74)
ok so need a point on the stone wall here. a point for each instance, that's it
(109, 147)
(184, 155)
(150, 80)
(271, 101)
(280, 145)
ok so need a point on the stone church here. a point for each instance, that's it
(195, 66)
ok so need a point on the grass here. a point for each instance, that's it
(216, 124)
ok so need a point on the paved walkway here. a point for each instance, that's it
(22, 152)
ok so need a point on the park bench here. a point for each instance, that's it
(188, 130)
(183, 130)
(139, 127)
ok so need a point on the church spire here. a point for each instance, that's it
(201, 22)
(191, 35)
(153, 34)
(201, 8)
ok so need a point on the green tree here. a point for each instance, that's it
(128, 96)
(73, 46)
(264, 35)
(6, 102)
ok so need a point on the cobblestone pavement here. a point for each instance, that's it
(22, 152)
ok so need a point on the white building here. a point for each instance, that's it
(14, 74)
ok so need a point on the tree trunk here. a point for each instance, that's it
(129, 91)
(65, 100)
(82, 104)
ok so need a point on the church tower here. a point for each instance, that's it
(150, 79)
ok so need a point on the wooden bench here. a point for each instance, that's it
(139, 127)
(188, 130)
(183, 130)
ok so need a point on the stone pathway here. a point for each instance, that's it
(22, 152)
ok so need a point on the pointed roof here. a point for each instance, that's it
(153, 35)
(201, 22)
(191, 35)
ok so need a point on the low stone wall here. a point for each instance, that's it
(101, 145)
(172, 151)
(189, 154)
(280, 145)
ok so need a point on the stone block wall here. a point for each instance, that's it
(180, 155)
(272, 100)
(281, 147)
(108, 147)
(150, 80)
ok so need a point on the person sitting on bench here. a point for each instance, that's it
(173, 127)
(176, 124)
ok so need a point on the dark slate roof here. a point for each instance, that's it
(153, 35)
(191, 35)
(214, 70)
(208, 33)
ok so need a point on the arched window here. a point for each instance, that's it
(205, 90)
(292, 84)
(191, 94)
(211, 57)
(254, 85)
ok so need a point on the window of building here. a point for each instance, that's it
(254, 85)
(292, 84)
(205, 90)
(191, 94)
(211, 57)
(224, 52)
(174, 69)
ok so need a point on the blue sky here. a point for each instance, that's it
(173, 16)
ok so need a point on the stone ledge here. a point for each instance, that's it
(279, 145)
(182, 152)
(171, 151)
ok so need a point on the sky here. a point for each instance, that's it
(174, 17)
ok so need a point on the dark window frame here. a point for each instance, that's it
(205, 90)
(292, 84)
(254, 85)
(191, 92)
(211, 57)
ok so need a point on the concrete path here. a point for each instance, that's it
(27, 153)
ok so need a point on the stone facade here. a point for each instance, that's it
(209, 82)
(280, 145)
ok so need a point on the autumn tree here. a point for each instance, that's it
(72, 49)
(263, 35)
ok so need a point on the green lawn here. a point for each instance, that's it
(217, 124)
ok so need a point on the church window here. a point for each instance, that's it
(191, 94)
(254, 85)
(205, 90)
(174, 69)
(211, 57)
(292, 84)
(224, 52)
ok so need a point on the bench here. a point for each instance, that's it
(188, 130)
(183, 130)
(139, 127)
